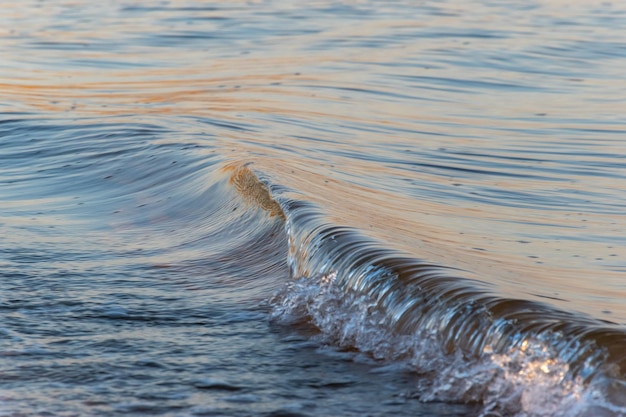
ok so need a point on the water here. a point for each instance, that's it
(272, 208)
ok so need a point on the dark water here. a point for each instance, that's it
(273, 208)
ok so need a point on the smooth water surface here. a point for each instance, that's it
(444, 235)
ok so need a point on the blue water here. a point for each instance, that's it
(339, 208)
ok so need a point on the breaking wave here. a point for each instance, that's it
(514, 357)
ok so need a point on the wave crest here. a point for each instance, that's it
(467, 344)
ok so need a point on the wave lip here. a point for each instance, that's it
(253, 190)
(513, 356)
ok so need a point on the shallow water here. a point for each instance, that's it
(343, 208)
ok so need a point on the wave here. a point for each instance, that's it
(467, 343)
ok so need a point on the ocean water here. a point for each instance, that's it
(325, 208)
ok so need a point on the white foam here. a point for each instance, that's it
(528, 380)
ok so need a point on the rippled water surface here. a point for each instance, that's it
(313, 208)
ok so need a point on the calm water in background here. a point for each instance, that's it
(136, 277)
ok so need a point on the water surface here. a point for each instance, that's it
(338, 208)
